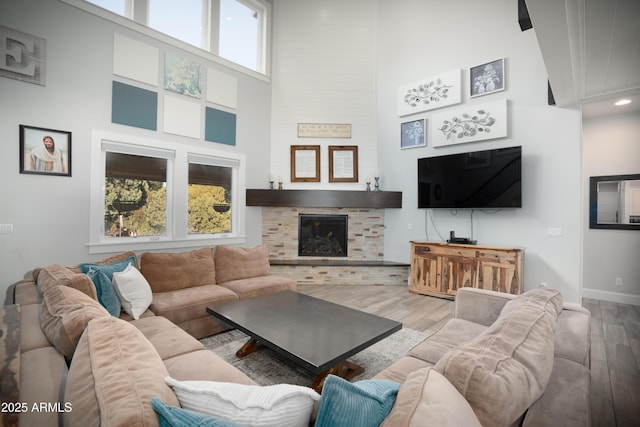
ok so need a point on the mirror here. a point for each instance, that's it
(614, 202)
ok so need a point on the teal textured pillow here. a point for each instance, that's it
(101, 276)
(361, 404)
(171, 416)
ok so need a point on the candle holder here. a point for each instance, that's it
(271, 184)
(279, 185)
(368, 185)
(377, 184)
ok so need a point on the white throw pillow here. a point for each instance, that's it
(281, 405)
(134, 291)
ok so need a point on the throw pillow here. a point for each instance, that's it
(170, 416)
(427, 395)
(507, 367)
(134, 291)
(101, 276)
(281, 405)
(65, 314)
(360, 404)
(113, 376)
(233, 263)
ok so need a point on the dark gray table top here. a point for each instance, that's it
(311, 332)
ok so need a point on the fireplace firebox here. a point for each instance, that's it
(322, 235)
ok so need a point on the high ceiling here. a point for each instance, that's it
(591, 50)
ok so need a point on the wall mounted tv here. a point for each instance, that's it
(480, 179)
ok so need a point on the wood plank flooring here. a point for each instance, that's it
(615, 340)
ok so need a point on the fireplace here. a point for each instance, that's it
(322, 235)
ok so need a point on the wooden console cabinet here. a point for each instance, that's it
(440, 269)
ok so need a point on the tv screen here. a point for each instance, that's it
(479, 179)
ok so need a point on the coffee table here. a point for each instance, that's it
(314, 334)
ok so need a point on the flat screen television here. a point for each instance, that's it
(478, 179)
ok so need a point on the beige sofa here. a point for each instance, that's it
(72, 350)
(501, 360)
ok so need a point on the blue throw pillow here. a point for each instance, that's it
(101, 276)
(361, 404)
(171, 416)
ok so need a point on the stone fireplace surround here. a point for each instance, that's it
(363, 265)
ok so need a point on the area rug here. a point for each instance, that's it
(266, 367)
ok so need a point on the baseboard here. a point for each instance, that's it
(611, 296)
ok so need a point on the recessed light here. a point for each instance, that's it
(622, 102)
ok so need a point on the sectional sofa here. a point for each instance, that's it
(502, 360)
(66, 326)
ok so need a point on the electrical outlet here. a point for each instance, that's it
(618, 281)
(6, 228)
(543, 284)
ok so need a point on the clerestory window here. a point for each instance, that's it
(231, 29)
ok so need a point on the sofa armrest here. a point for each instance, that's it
(479, 305)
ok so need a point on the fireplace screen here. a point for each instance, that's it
(322, 235)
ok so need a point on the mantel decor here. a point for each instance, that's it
(305, 163)
(343, 163)
(324, 130)
(45, 151)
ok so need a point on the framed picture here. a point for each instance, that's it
(305, 163)
(430, 93)
(412, 134)
(487, 78)
(45, 151)
(469, 123)
(343, 163)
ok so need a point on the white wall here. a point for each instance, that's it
(324, 72)
(610, 147)
(50, 215)
(418, 39)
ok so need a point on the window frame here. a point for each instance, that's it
(177, 235)
(137, 20)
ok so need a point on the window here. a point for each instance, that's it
(210, 190)
(135, 195)
(231, 29)
(153, 194)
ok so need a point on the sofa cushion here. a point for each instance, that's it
(233, 263)
(451, 335)
(191, 303)
(113, 376)
(65, 314)
(259, 285)
(167, 338)
(31, 333)
(42, 370)
(109, 260)
(58, 275)
(277, 405)
(505, 369)
(567, 397)
(360, 404)
(102, 275)
(572, 332)
(170, 272)
(133, 290)
(400, 369)
(426, 395)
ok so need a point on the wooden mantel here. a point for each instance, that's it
(324, 198)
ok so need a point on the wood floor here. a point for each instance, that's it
(615, 340)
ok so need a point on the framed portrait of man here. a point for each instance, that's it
(45, 151)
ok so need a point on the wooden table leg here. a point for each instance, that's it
(249, 347)
(344, 369)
